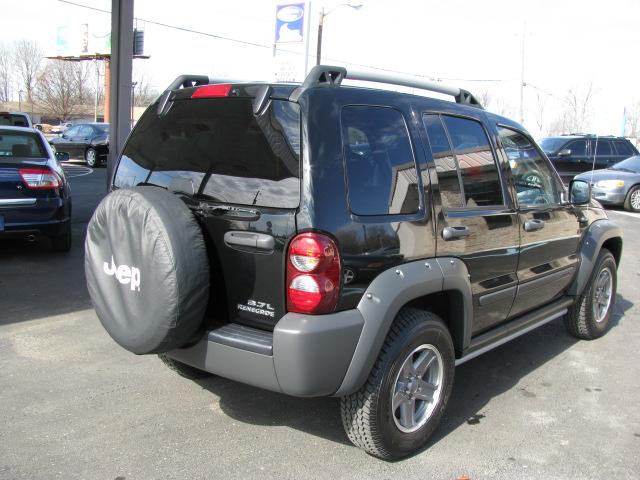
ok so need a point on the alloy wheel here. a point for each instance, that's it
(417, 388)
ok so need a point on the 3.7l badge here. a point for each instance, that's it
(260, 308)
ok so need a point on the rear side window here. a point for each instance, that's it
(446, 168)
(469, 151)
(603, 148)
(17, 144)
(379, 162)
(218, 149)
(578, 148)
(623, 148)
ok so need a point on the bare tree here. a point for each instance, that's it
(485, 98)
(542, 100)
(633, 121)
(143, 93)
(27, 58)
(64, 88)
(576, 113)
(6, 69)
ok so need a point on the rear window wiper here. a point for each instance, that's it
(228, 210)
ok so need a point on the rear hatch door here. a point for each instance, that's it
(239, 172)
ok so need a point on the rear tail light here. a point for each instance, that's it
(40, 178)
(313, 274)
(212, 91)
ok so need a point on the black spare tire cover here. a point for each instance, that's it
(147, 269)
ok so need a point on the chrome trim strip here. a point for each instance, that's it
(11, 202)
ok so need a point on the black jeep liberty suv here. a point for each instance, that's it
(319, 239)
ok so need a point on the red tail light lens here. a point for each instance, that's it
(40, 178)
(313, 274)
(212, 91)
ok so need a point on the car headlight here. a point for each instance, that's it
(610, 183)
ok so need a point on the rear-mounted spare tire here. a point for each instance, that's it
(147, 269)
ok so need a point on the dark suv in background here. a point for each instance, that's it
(317, 239)
(574, 154)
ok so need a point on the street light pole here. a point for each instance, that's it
(321, 23)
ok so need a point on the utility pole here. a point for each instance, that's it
(95, 107)
(319, 50)
(307, 36)
(522, 83)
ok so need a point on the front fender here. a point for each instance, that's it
(596, 235)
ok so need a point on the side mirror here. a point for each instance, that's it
(565, 152)
(62, 156)
(579, 192)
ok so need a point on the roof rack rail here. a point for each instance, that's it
(325, 75)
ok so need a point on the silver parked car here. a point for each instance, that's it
(618, 184)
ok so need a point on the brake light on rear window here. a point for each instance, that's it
(40, 178)
(313, 274)
(212, 91)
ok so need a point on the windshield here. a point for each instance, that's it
(551, 144)
(103, 127)
(632, 163)
(18, 144)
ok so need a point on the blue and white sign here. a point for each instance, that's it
(290, 23)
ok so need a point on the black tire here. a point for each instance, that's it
(632, 196)
(91, 157)
(580, 320)
(182, 369)
(62, 243)
(367, 414)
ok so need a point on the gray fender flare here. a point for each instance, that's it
(388, 293)
(598, 232)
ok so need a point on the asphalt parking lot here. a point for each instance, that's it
(73, 404)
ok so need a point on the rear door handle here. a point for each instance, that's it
(250, 240)
(533, 225)
(455, 232)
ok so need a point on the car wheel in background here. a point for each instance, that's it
(91, 157)
(632, 202)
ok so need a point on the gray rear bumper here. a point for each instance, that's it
(321, 355)
(306, 355)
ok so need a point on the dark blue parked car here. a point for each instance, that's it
(35, 199)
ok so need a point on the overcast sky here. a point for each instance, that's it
(569, 44)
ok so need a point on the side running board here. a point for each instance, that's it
(513, 329)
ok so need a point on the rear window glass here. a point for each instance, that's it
(17, 144)
(13, 120)
(381, 170)
(218, 149)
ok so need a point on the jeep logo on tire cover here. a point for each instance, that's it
(124, 274)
